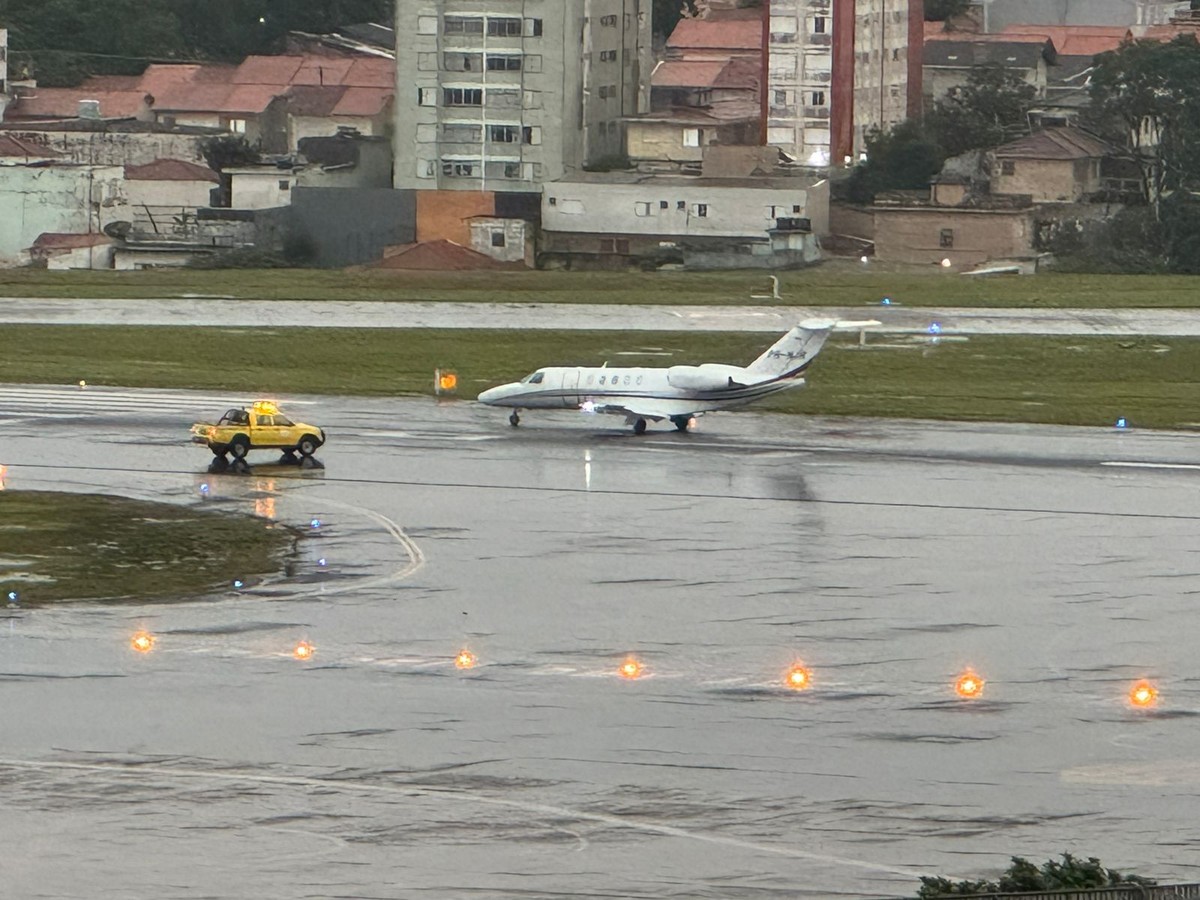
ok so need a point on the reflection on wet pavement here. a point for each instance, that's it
(890, 558)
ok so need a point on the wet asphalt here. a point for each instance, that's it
(1060, 564)
(224, 312)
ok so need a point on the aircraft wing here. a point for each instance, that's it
(646, 407)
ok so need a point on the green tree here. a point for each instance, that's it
(990, 109)
(667, 14)
(901, 158)
(1023, 875)
(941, 10)
(1145, 99)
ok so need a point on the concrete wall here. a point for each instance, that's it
(691, 209)
(68, 199)
(915, 235)
(169, 194)
(1048, 180)
(664, 141)
(587, 69)
(351, 227)
(116, 148)
(446, 215)
(261, 188)
(513, 232)
(99, 257)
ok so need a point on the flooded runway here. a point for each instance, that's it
(1059, 564)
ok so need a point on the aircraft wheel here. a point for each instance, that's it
(681, 423)
(639, 427)
(514, 420)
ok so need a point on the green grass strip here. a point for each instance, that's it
(834, 284)
(64, 547)
(1075, 381)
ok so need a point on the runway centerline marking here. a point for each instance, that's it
(1151, 465)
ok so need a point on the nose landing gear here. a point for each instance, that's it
(514, 420)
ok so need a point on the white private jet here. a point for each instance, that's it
(677, 393)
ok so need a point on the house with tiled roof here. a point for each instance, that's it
(948, 64)
(1057, 165)
(161, 191)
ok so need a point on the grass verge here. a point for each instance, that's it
(1016, 378)
(832, 284)
(64, 547)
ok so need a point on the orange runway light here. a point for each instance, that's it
(465, 659)
(1143, 694)
(969, 685)
(303, 650)
(631, 668)
(798, 678)
(142, 642)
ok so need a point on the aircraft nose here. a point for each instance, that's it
(494, 395)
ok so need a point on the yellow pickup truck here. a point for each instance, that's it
(262, 426)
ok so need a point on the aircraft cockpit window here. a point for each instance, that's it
(535, 378)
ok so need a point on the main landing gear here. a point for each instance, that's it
(514, 420)
(639, 426)
(681, 423)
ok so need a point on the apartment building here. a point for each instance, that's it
(3, 70)
(837, 69)
(502, 95)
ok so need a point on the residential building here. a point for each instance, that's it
(72, 251)
(116, 142)
(3, 71)
(949, 63)
(836, 69)
(41, 193)
(1057, 165)
(167, 194)
(503, 95)
(617, 219)
(948, 223)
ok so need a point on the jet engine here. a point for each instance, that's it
(708, 377)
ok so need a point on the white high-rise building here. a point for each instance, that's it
(503, 95)
(838, 68)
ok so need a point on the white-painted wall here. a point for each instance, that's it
(692, 210)
(261, 188)
(65, 199)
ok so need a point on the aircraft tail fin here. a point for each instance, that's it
(795, 351)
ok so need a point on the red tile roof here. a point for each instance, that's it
(680, 73)
(171, 170)
(55, 241)
(1075, 40)
(322, 70)
(442, 256)
(267, 70)
(377, 73)
(716, 34)
(1056, 143)
(364, 101)
(15, 148)
(63, 103)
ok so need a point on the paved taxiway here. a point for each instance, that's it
(1060, 563)
(227, 313)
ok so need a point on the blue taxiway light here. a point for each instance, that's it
(886, 301)
(204, 488)
(1121, 423)
(315, 523)
(238, 584)
(935, 328)
(322, 562)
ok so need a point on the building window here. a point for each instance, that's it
(641, 210)
(237, 126)
(504, 63)
(681, 206)
(503, 27)
(285, 185)
(462, 25)
(818, 24)
(531, 134)
(818, 98)
(947, 238)
(553, 201)
(462, 97)
(608, 21)
(608, 56)
(533, 28)
(498, 239)
(512, 170)
(458, 169)
(702, 210)
(1008, 167)
(691, 137)
(427, 96)
(503, 134)
(663, 204)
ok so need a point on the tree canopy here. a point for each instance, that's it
(941, 10)
(990, 109)
(667, 14)
(60, 42)
(1023, 875)
(1145, 99)
(901, 158)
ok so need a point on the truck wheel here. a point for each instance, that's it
(308, 445)
(239, 446)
